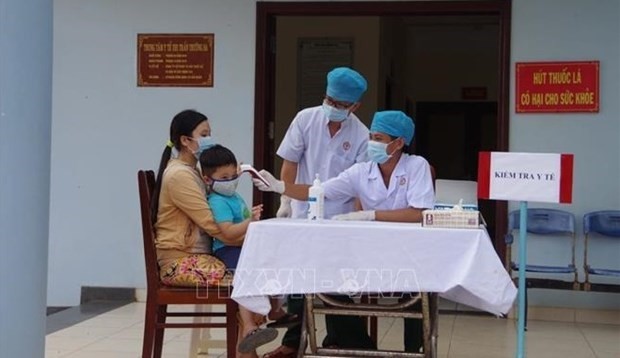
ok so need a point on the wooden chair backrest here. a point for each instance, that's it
(146, 185)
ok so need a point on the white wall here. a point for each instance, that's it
(566, 30)
(105, 128)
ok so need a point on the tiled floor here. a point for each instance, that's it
(118, 334)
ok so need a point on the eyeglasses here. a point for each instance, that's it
(338, 104)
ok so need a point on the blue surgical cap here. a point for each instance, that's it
(393, 123)
(345, 85)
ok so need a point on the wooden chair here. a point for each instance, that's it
(160, 296)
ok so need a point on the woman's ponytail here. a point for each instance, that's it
(165, 157)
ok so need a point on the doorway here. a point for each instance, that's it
(390, 94)
(450, 135)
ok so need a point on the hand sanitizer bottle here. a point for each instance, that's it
(315, 200)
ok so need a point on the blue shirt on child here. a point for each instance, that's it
(227, 209)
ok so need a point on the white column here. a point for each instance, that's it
(25, 123)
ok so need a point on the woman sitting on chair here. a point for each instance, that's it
(184, 223)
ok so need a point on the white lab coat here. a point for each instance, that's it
(308, 143)
(411, 185)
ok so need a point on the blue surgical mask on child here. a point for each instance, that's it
(226, 187)
(377, 152)
(204, 143)
(334, 114)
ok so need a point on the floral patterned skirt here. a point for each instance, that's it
(196, 270)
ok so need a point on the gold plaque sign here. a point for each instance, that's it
(175, 60)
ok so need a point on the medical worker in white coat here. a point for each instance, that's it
(323, 140)
(392, 186)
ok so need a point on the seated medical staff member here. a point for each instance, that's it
(392, 186)
(324, 140)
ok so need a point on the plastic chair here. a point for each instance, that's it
(160, 296)
(604, 223)
(542, 222)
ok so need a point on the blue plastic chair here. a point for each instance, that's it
(544, 222)
(605, 223)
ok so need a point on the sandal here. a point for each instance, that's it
(287, 321)
(257, 338)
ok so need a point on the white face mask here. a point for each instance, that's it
(204, 143)
(377, 151)
(226, 187)
(334, 114)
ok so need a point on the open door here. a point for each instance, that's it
(265, 141)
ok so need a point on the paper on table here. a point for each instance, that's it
(253, 172)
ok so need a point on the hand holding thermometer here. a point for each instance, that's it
(253, 172)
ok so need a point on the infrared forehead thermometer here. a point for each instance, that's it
(248, 168)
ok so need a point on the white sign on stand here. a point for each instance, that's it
(540, 177)
(525, 177)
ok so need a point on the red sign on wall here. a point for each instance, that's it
(554, 87)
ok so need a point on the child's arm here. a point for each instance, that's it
(234, 234)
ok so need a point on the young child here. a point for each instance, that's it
(221, 174)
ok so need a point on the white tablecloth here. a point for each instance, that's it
(288, 256)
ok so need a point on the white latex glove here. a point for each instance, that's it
(366, 215)
(275, 185)
(285, 210)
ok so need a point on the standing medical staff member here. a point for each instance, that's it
(323, 140)
(392, 186)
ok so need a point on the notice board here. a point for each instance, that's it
(315, 58)
(175, 60)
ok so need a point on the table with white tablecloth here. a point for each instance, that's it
(296, 256)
